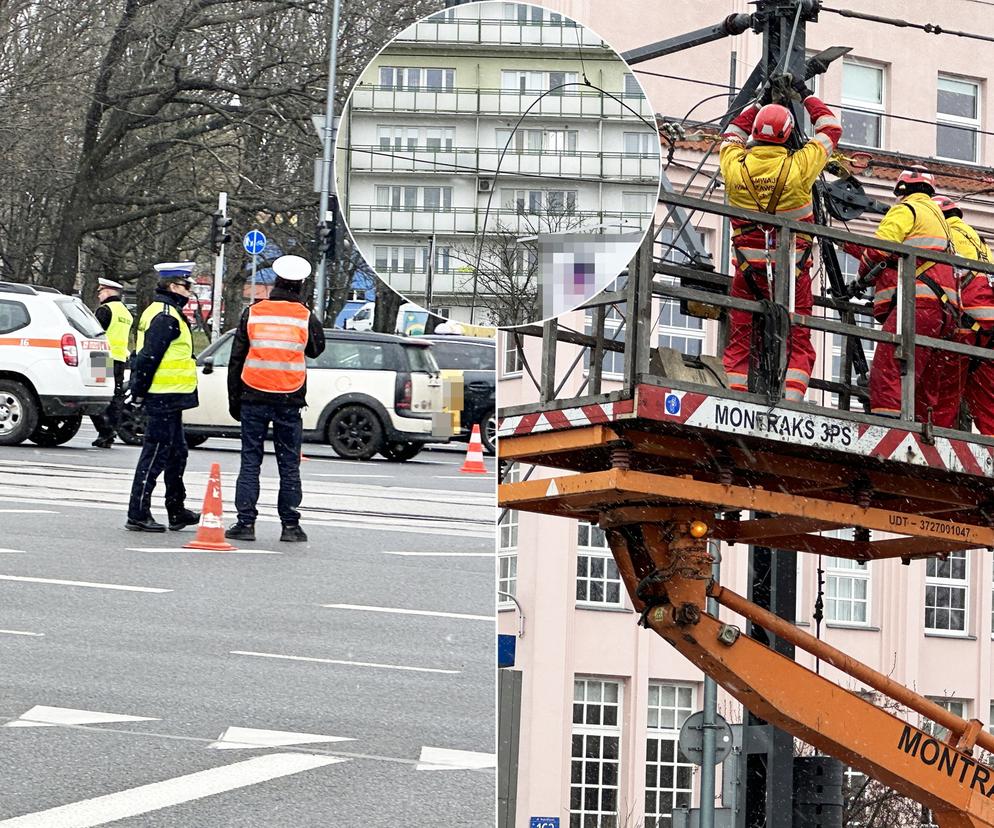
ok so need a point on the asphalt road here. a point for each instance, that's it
(312, 641)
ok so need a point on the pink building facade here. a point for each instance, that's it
(603, 700)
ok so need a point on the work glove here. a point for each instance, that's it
(131, 400)
(767, 96)
(801, 88)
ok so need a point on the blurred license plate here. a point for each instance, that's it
(100, 366)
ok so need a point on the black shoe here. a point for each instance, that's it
(292, 533)
(148, 524)
(180, 520)
(241, 531)
(103, 442)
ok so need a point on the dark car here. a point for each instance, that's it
(475, 357)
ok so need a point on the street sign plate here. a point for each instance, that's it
(505, 650)
(543, 822)
(254, 242)
(691, 741)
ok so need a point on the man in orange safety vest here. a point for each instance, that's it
(267, 383)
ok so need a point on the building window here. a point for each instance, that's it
(437, 198)
(415, 77)
(669, 778)
(511, 362)
(631, 89)
(862, 103)
(390, 259)
(597, 577)
(507, 545)
(613, 363)
(536, 202)
(435, 139)
(847, 591)
(958, 119)
(957, 707)
(675, 329)
(946, 594)
(640, 143)
(523, 80)
(538, 140)
(412, 198)
(595, 754)
(640, 204)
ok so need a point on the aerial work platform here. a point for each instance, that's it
(807, 471)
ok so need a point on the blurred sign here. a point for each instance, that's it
(505, 652)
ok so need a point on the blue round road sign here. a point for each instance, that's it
(672, 404)
(254, 242)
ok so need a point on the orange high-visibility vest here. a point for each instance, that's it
(277, 337)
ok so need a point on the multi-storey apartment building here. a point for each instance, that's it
(479, 119)
(602, 700)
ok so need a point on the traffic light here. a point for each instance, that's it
(327, 230)
(219, 232)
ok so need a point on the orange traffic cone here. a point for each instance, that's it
(474, 454)
(210, 531)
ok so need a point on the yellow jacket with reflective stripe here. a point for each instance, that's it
(177, 372)
(923, 226)
(967, 241)
(119, 331)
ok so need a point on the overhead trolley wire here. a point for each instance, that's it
(928, 28)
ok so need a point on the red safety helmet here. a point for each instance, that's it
(947, 205)
(773, 124)
(915, 175)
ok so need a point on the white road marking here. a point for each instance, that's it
(157, 795)
(20, 632)
(488, 477)
(12, 552)
(81, 583)
(346, 663)
(239, 738)
(28, 512)
(351, 476)
(184, 549)
(444, 554)
(434, 758)
(42, 716)
(398, 611)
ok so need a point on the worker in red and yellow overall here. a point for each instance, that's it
(917, 221)
(770, 178)
(963, 377)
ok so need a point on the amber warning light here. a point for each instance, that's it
(698, 529)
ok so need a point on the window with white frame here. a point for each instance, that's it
(676, 329)
(537, 202)
(511, 362)
(850, 267)
(406, 197)
(640, 143)
(598, 582)
(669, 777)
(526, 80)
(595, 754)
(957, 115)
(562, 141)
(957, 707)
(631, 88)
(432, 78)
(862, 103)
(640, 204)
(413, 138)
(527, 14)
(613, 362)
(436, 198)
(847, 591)
(947, 593)
(395, 258)
(507, 546)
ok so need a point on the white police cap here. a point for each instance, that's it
(292, 268)
(107, 283)
(175, 270)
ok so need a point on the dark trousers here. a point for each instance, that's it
(164, 450)
(106, 423)
(287, 430)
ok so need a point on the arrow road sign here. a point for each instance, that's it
(254, 242)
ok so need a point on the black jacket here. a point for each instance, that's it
(162, 330)
(238, 391)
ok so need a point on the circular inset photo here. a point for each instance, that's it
(498, 163)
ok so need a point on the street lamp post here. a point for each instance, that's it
(321, 280)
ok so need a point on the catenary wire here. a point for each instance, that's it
(929, 28)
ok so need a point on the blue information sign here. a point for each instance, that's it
(505, 650)
(544, 822)
(254, 242)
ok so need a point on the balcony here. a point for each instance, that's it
(411, 282)
(591, 166)
(505, 33)
(581, 103)
(373, 218)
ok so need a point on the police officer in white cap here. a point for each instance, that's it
(164, 381)
(115, 318)
(267, 383)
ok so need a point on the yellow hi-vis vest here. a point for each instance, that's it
(177, 373)
(277, 333)
(119, 330)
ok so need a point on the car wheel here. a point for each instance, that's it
(355, 432)
(400, 452)
(194, 440)
(54, 431)
(131, 427)
(18, 413)
(488, 433)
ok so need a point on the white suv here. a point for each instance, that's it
(367, 393)
(55, 365)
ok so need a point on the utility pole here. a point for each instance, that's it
(327, 185)
(219, 237)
